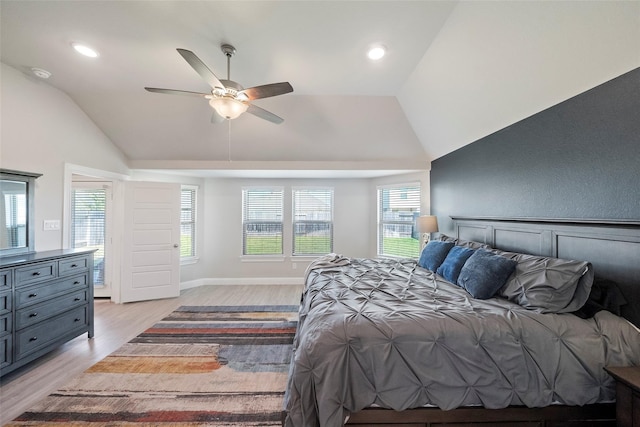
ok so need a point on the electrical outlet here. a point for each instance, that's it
(51, 224)
(294, 265)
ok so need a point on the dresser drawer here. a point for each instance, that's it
(5, 280)
(73, 265)
(36, 313)
(5, 324)
(27, 296)
(5, 302)
(40, 335)
(35, 273)
(5, 351)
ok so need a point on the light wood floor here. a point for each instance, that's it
(115, 324)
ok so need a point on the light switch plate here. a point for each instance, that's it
(51, 224)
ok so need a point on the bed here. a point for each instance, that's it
(391, 342)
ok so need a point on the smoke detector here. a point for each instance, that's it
(40, 73)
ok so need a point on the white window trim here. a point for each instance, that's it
(262, 258)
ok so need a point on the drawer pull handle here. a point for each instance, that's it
(74, 265)
(36, 273)
(76, 283)
(33, 295)
(33, 315)
(76, 299)
(77, 319)
(33, 339)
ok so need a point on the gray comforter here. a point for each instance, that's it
(391, 334)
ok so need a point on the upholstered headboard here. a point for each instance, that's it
(613, 247)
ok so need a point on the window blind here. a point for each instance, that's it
(398, 208)
(88, 209)
(187, 222)
(15, 217)
(262, 210)
(312, 221)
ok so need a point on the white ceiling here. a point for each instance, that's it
(454, 72)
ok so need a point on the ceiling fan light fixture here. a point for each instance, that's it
(228, 98)
(228, 108)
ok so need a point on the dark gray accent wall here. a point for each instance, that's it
(577, 159)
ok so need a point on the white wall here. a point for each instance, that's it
(355, 225)
(42, 129)
(497, 62)
(222, 255)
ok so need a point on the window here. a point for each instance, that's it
(262, 221)
(312, 221)
(15, 215)
(188, 222)
(398, 208)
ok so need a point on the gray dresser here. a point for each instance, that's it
(46, 299)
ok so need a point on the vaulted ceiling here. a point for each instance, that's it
(454, 72)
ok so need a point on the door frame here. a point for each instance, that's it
(116, 180)
(86, 183)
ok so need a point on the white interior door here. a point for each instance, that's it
(151, 255)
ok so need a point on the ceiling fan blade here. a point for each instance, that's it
(216, 118)
(175, 92)
(201, 68)
(264, 114)
(265, 91)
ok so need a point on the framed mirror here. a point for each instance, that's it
(17, 219)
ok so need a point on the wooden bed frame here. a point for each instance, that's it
(613, 247)
(550, 416)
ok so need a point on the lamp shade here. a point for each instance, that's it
(228, 108)
(427, 224)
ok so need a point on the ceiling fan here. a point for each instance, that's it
(228, 98)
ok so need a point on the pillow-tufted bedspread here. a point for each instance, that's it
(392, 334)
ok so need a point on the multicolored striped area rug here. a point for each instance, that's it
(200, 366)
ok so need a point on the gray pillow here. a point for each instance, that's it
(464, 243)
(546, 284)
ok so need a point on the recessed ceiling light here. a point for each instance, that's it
(84, 50)
(376, 52)
(40, 73)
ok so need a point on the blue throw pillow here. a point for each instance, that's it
(433, 254)
(485, 273)
(450, 268)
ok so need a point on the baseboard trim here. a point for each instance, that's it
(233, 281)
